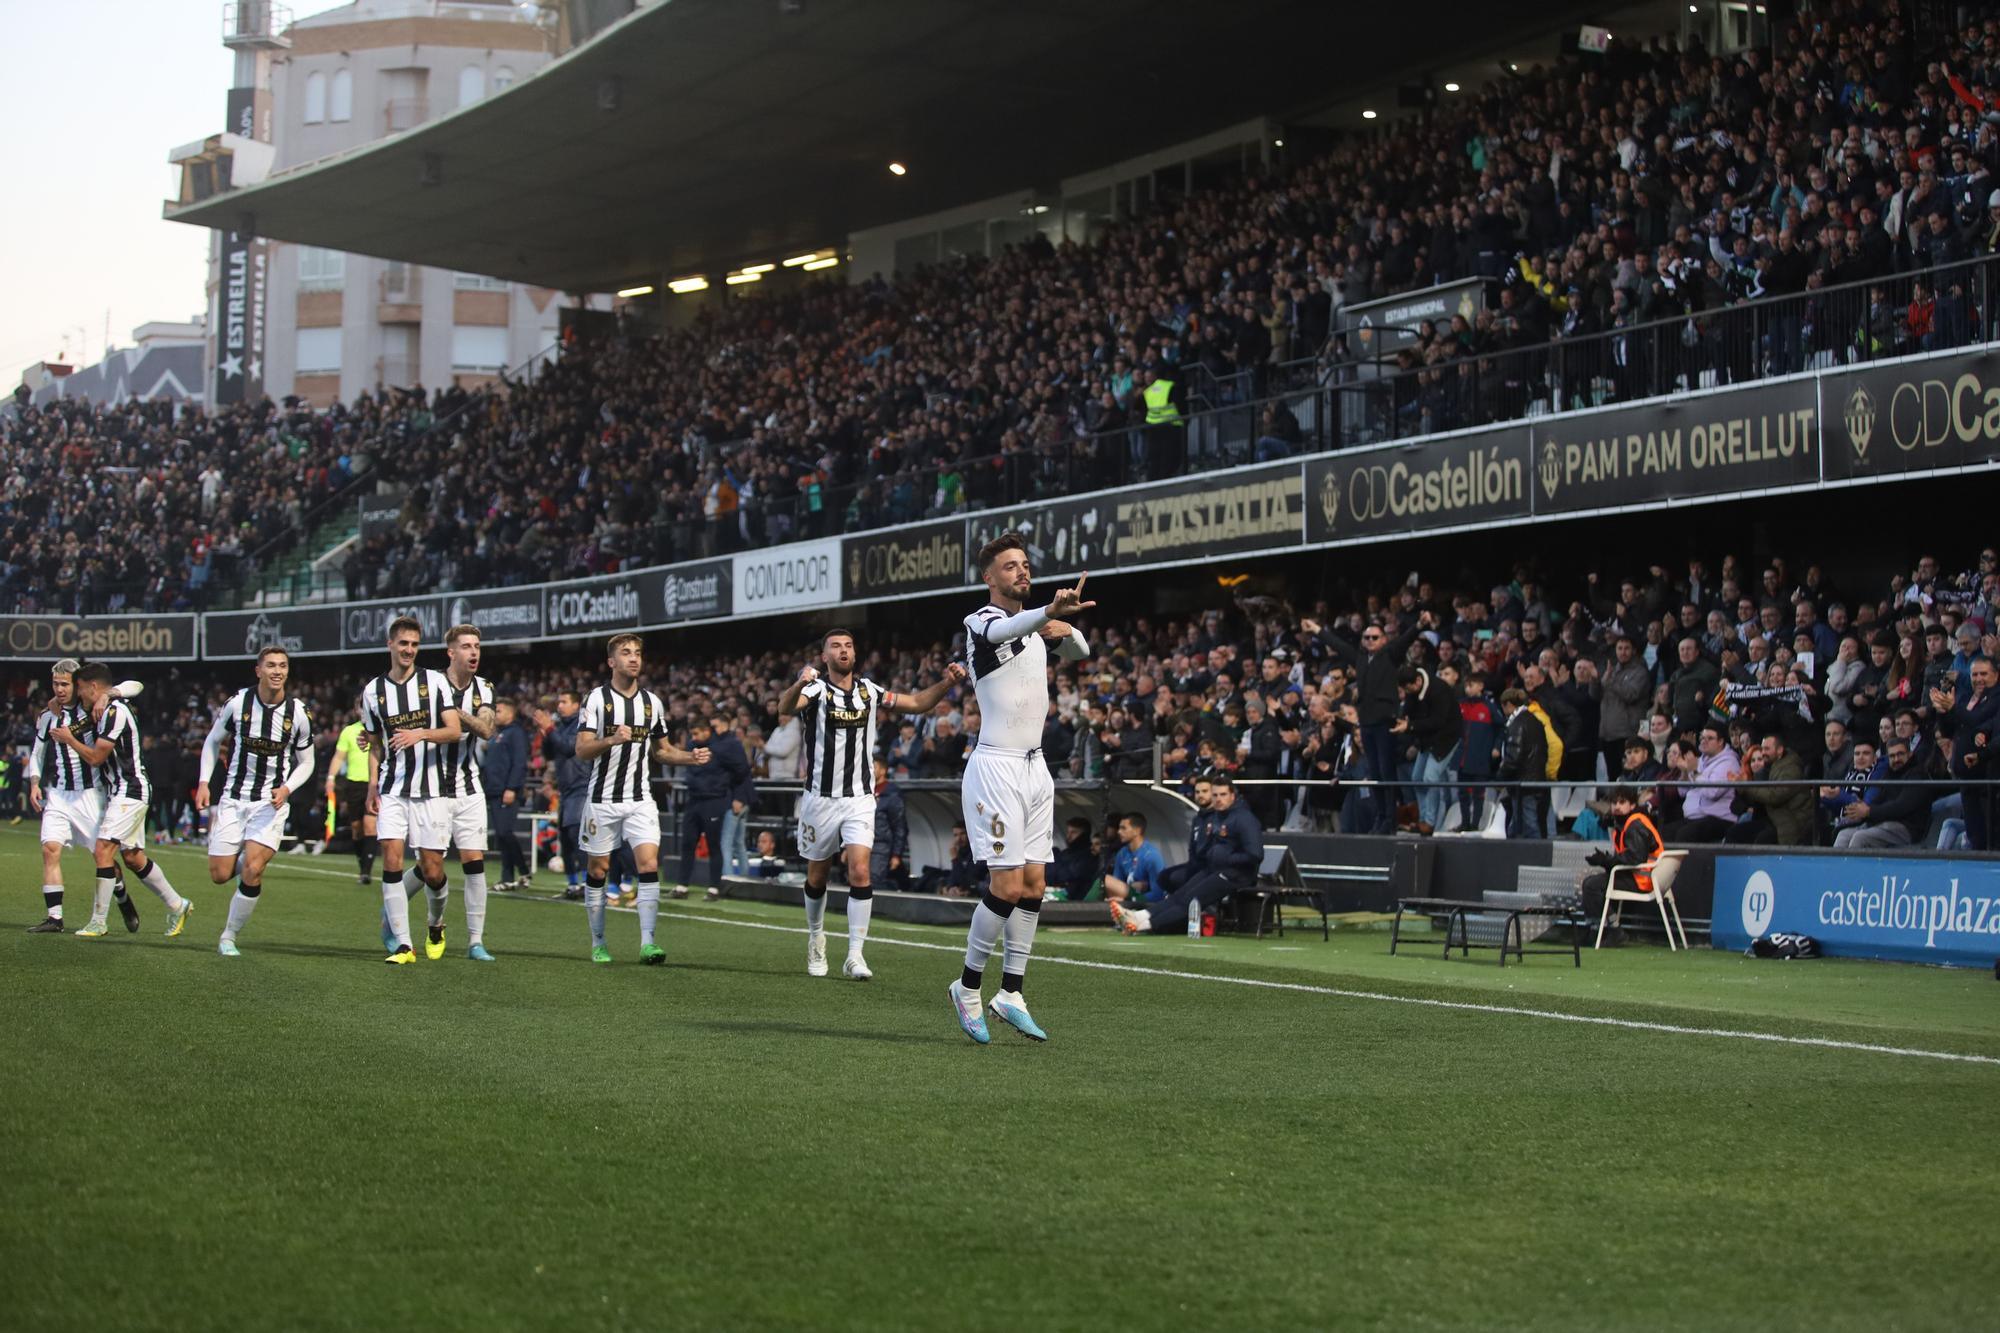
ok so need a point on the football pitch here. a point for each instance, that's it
(1229, 1133)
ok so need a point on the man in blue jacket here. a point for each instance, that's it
(1227, 851)
(709, 789)
(503, 772)
(569, 779)
(889, 858)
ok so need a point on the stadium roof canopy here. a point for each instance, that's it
(698, 131)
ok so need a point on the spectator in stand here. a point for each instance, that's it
(1479, 748)
(1432, 721)
(1375, 662)
(1706, 811)
(1524, 751)
(1889, 815)
(1627, 694)
(1973, 727)
(1782, 815)
(1692, 686)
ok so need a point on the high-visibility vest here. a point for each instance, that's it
(1642, 876)
(1160, 409)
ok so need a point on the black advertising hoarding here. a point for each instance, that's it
(1255, 509)
(1745, 439)
(364, 626)
(232, 329)
(166, 638)
(704, 591)
(1914, 416)
(928, 558)
(500, 615)
(1482, 477)
(1063, 536)
(302, 631)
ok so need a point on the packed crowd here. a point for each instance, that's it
(1598, 194)
(1418, 707)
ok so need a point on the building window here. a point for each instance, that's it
(503, 79)
(321, 270)
(478, 347)
(471, 85)
(319, 352)
(478, 282)
(340, 106)
(315, 98)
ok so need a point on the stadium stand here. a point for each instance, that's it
(1652, 222)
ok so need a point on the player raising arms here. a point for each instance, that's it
(63, 789)
(464, 793)
(407, 713)
(270, 756)
(622, 734)
(1009, 797)
(839, 715)
(127, 795)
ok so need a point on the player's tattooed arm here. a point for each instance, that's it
(926, 699)
(666, 752)
(481, 722)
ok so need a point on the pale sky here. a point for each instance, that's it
(94, 93)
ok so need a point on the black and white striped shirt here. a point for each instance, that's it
(459, 762)
(269, 741)
(56, 766)
(623, 773)
(124, 771)
(419, 703)
(840, 730)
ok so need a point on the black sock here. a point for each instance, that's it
(1008, 981)
(969, 978)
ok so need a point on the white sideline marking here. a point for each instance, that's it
(1630, 1024)
(1336, 992)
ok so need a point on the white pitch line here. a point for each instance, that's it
(1335, 992)
(1629, 1024)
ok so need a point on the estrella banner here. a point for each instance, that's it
(1911, 910)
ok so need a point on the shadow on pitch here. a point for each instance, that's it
(780, 1028)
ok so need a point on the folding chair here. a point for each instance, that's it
(1664, 870)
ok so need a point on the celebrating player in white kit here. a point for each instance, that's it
(407, 714)
(127, 795)
(1009, 797)
(838, 714)
(472, 696)
(64, 790)
(622, 734)
(270, 738)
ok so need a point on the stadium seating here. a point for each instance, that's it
(1631, 214)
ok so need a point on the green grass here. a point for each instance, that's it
(303, 1138)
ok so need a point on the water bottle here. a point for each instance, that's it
(1194, 919)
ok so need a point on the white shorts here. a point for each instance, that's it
(422, 822)
(1010, 808)
(608, 823)
(124, 822)
(234, 822)
(468, 822)
(829, 823)
(72, 817)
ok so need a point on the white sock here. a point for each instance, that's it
(1143, 919)
(52, 896)
(156, 880)
(437, 898)
(984, 933)
(413, 882)
(593, 901)
(1021, 934)
(649, 910)
(858, 912)
(396, 906)
(100, 906)
(240, 909)
(475, 908)
(816, 911)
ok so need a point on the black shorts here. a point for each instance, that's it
(350, 800)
